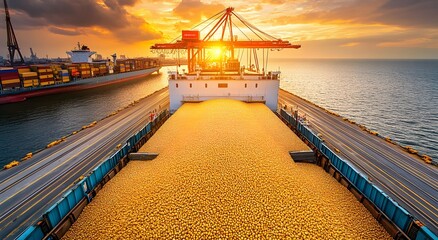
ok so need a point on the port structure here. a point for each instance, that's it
(223, 23)
(12, 40)
(214, 65)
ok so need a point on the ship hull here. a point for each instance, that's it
(80, 84)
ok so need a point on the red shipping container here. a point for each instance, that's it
(11, 85)
(7, 76)
(191, 35)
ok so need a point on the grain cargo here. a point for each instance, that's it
(224, 170)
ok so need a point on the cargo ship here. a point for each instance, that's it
(23, 82)
(209, 78)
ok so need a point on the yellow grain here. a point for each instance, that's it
(224, 171)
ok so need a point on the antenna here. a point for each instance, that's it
(12, 40)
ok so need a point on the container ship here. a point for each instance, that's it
(20, 83)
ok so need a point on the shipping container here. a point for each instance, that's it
(29, 79)
(9, 79)
(64, 76)
(55, 71)
(45, 74)
(23, 69)
(190, 35)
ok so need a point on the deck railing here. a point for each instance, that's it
(197, 98)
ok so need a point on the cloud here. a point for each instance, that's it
(368, 48)
(418, 42)
(62, 31)
(407, 39)
(395, 24)
(414, 13)
(78, 13)
(137, 30)
(128, 2)
(275, 2)
(111, 15)
(192, 11)
(404, 13)
(20, 20)
(350, 44)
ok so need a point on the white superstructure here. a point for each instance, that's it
(248, 87)
(81, 55)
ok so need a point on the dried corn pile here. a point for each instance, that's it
(224, 171)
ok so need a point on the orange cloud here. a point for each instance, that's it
(351, 44)
(64, 31)
(193, 10)
(420, 13)
(414, 42)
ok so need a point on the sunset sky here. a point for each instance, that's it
(325, 29)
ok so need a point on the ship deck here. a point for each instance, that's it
(224, 170)
(230, 75)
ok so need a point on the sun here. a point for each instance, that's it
(216, 52)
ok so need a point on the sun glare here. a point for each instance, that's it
(216, 52)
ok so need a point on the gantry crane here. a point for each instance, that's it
(12, 40)
(224, 25)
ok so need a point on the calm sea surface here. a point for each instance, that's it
(397, 98)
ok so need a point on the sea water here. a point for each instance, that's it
(397, 98)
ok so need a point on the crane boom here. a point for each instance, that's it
(234, 44)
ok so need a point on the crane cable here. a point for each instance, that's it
(247, 26)
(251, 26)
(216, 15)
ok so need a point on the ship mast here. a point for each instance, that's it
(12, 40)
(224, 25)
